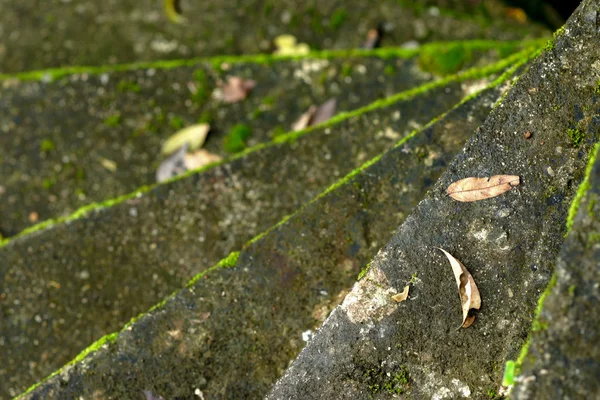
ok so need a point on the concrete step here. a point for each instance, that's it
(90, 274)
(561, 359)
(53, 33)
(58, 135)
(233, 330)
(373, 347)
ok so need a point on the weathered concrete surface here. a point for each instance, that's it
(55, 135)
(563, 361)
(373, 347)
(234, 331)
(87, 277)
(41, 34)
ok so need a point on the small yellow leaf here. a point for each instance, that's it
(173, 11)
(194, 136)
(200, 158)
(108, 164)
(467, 289)
(474, 189)
(401, 296)
(287, 46)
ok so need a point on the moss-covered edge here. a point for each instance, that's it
(385, 52)
(232, 259)
(515, 366)
(473, 73)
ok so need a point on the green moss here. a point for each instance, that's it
(278, 131)
(378, 380)
(492, 394)
(113, 120)
(46, 146)
(447, 60)
(583, 187)
(176, 122)
(571, 290)
(364, 271)
(346, 69)
(509, 373)
(389, 70)
(389, 52)
(576, 136)
(235, 140)
(202, 91)
(128, 86)
(337, 18)
(597, 89)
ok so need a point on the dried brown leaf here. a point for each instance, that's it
(304, 120)
(315, 115)
(200, 158)
(401, 296)
(467, 289)
(373, 39)
(474, 189)
(236, 89)
(324, 112)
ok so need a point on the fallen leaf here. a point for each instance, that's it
(286, 46)
(173, 165)
(34, 216)
(325, 112)
(467, 289)
(304, 119)
(173, 10)
(315, 115)
(373, 39)
(200, 158)
(517, 14)
(108, 164)
(474, 189)
(194, 136)
(401, 296)
(235, 89)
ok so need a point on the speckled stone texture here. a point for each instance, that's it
(40, 34)
(55, 135)
(373, 347)
(233, 333)
(88, 277)
(563, 361)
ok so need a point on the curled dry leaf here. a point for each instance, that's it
(401, 296)
(316, 115)
(467, 289)
(173, 165)
(200, 158)
(194, 136)
(474, 189)
(108, 164)
(236, 89)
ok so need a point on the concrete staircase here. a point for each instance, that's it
(211, 284)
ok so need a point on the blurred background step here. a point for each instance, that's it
(86, 137)
(233, 331)
(89, 275)
(37, 35)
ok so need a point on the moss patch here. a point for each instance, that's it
(235, 141)
(113, 120)
(576, 136)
